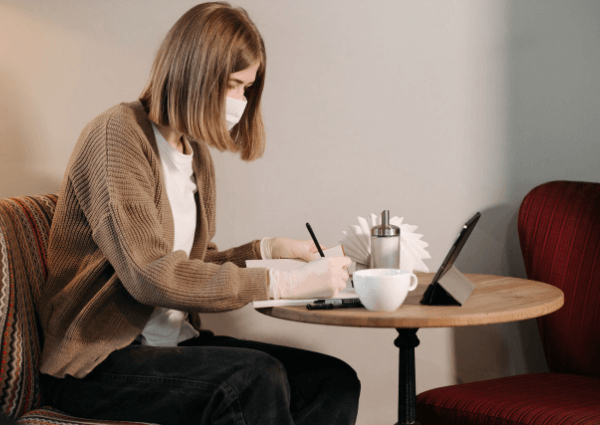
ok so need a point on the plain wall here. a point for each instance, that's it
(431, 109)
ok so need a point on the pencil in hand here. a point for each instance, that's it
(314, 238)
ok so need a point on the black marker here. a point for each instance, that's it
(329, 306)
(314, 238)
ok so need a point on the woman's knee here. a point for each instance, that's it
(261, 372)
(346, 377)
(329, 375)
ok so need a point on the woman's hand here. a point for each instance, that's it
(322, 278)
(290, 248)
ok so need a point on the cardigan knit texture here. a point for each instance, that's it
(110, 254)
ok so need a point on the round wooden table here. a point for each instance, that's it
(495, 300)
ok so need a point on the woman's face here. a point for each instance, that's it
(240, 81)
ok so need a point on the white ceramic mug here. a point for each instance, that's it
(383, 289)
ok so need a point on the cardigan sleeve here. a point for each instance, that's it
(237, 256)
(115, 177)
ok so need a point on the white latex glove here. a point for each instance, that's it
(321, 278)
(281, 248)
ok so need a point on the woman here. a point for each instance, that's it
(131, 263)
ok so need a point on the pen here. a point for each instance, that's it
(338, 301)
(314, 238)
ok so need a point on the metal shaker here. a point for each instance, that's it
(385, 244)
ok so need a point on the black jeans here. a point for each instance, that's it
(212, 380)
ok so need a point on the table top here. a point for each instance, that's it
(495, 299)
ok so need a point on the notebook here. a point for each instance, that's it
(337, 251)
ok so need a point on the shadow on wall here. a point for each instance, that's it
(492, 351)
(19, 173)
(553, 64)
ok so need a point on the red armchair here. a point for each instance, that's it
(559, 232)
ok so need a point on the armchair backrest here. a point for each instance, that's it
(24, 232)
(559, 232)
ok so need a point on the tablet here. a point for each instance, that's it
(455, 249)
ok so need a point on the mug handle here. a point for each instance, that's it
(414, 281)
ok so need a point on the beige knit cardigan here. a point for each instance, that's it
(110, 254)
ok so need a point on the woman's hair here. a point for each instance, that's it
(190, 76)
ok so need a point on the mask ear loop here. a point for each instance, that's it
(212, 86)
(238, 124)
(210, 90)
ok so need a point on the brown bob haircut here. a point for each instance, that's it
(190, 76)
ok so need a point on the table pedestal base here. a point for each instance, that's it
(407, 341)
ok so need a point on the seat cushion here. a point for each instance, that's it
(50, 416)
(545, 398)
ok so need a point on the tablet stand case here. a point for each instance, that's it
(453, 288)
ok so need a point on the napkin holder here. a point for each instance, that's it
(453, 288)
(357, 244)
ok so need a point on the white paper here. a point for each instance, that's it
(346, 293)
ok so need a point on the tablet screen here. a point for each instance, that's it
(464, 234)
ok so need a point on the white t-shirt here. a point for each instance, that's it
(167, 327)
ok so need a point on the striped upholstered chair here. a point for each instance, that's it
(24, 230)
(559, 231)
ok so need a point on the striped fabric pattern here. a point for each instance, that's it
(559, 231)
(47, 415)
(24, 230)
(541, 399)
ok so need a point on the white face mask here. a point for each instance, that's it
(234, 109)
